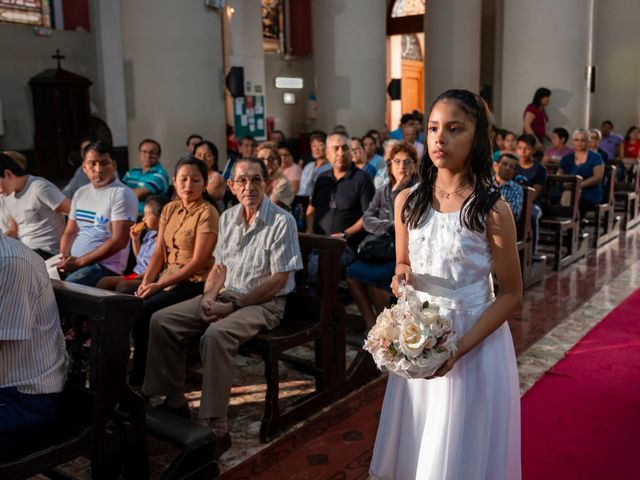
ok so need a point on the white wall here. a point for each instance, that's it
(173, 75)
(545, 44)
(25, 55)
(617, 57)
(291, 119)
(452, 46)
(349, 63)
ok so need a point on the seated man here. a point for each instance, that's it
(95, 243)
(35, 205)
(33, 359)
(505, 170)
(340, 198)
(150, 178)
(255, 263)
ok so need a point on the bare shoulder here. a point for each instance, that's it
(500, 213)
(402, 198)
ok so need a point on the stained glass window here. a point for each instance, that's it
(26, 12)
(411, 47)
(405, 8)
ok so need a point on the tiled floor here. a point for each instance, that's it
(336, 444)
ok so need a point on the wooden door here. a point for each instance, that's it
(412, 86)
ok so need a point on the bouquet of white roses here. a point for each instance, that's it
(411, 339)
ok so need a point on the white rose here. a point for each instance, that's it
(413, 335)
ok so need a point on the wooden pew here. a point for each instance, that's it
(98, 408)
(627, 197)
(532, 272)
(604, 220)
(560, 225)
(313, 314)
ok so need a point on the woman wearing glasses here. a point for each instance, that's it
(370, 275)
(182, 257)
(279, 188)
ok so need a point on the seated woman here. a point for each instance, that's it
(369, 283)
(182, 258)
(589, 166)
(279, 189)
(360, 159)
(208, 153)
(559, 149)
(142, 249)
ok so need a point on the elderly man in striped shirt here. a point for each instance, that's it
(256, 258)
(33, 359)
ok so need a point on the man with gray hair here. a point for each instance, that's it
(244, 293)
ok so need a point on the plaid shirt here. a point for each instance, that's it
(512, 193)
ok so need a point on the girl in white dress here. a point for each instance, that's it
(464, 422)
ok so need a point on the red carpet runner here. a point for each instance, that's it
(582, 419)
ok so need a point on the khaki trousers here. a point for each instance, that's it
(170, 331)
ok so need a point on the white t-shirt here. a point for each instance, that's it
(33, 209)
(94, 209)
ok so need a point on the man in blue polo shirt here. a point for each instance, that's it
(150, 178)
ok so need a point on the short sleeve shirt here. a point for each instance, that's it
(539, 121)
(181, 227)
(34, 358)
(33, 209)
(310, 174)
(145, 252)
(610, 144)
(156, 180)
(568, 165)
(341, 203)
(94, 210)
(536, 174)
(252, 253)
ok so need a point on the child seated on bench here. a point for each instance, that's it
(142, 249)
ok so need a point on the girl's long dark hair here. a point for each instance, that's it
(485, 194)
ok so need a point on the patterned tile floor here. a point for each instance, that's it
(335, 444)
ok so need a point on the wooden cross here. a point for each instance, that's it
(58, 57)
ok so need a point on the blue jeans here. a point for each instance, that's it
(21, 413)
(536, 213)
(89, 275)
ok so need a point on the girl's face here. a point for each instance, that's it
(499, 141)
(633, 134)
(189, 183)
(204, 153)
(557, 141)
(510, 143)
(150, 219)
(450, 134)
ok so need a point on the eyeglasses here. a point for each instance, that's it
(243, 181)
(406, 162)
(151, 153)
(270, 159)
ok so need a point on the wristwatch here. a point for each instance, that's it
(235, 305)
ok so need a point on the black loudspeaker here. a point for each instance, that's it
(235, 81)
(394, 89)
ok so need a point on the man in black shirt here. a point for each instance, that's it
(340, 197)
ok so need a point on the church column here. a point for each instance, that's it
(546, 43)
(452, 46)
(349, 63)
(111, 67)
(173, 75)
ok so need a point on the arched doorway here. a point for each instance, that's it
(405, 47)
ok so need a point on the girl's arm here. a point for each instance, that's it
(403, 266)
(501, 232)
